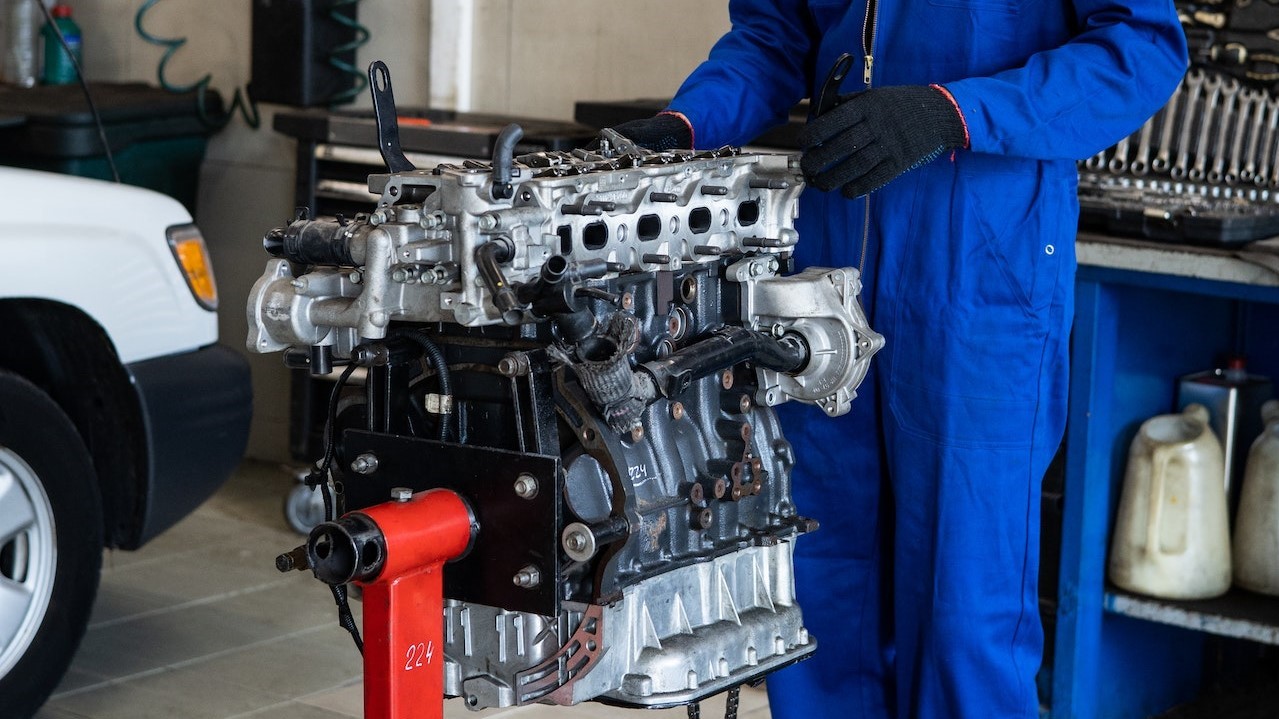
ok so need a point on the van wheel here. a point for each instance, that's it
(50, 543)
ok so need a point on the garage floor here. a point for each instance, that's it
(199, 625)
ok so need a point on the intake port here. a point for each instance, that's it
(595, 236)
(699, 220)
(649, 228)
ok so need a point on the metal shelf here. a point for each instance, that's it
(1240, 614)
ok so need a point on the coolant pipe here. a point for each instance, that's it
(723, 349)
(504, 161)
(488, 259)
(396, 551)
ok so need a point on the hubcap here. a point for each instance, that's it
(28, 557)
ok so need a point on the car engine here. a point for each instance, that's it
(586, 347)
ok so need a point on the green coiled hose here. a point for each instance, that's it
(240, 100)
(335, 56)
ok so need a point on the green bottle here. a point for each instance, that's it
(58, 68)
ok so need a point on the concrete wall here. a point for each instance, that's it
(536, 57)
(526, 57)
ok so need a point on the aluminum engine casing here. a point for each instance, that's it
(669, 463)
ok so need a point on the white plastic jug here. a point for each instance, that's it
(1257, 527)
(1172, 538)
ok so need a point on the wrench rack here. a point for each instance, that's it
(1203, 169)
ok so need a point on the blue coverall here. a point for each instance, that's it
(920, 586)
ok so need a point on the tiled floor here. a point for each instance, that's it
(199, 625)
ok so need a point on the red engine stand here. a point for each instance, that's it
(404, 604)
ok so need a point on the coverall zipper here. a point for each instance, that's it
(868, 40)
(868, 56)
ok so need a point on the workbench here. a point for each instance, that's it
(1146, 314)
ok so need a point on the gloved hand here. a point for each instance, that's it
(664, 131)
(871, 137)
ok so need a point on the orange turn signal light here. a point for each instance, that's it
(193, 259)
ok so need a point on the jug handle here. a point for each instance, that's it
(1158, 466)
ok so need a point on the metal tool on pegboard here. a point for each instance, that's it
(1212, 177)
(1214, 173)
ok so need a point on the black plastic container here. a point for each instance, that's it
(158, 137)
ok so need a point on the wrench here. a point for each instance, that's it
(1162, 163)
(1263, 171)
(1247, 106)
(1096, 162)
(1249, 170)
(1141, 163)
(1213, 87)
(1226, 119)
(1119, 162)
(1194, 88)
(1274, 169)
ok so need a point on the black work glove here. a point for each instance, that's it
(665, 131)
(871, 137)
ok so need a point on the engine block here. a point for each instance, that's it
(585, 346)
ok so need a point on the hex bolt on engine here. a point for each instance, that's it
(526, 486)
(364, 464)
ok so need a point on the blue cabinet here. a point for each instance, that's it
(1145, 315)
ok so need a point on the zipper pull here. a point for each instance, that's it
(869, 67)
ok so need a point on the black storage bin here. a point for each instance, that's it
(158, 137)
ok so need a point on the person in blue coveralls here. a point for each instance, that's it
(946, 171)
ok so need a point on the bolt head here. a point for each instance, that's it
(526, 486)
(697, 494)
(705, 518)
(578, 542)
(677, 411)
(401, 494)
(528, 577)
(364, 464)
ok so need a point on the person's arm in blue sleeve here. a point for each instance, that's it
(754, 74)
(1074, 100)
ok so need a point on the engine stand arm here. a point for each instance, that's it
(397, 552)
